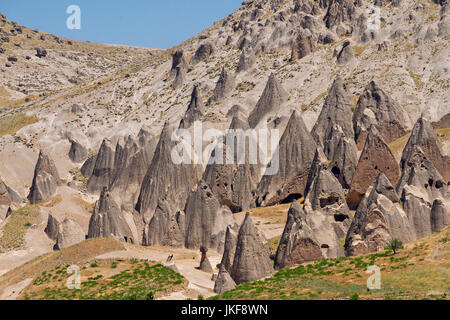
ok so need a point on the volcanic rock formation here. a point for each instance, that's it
(45, 180)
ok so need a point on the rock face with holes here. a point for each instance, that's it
(232, 181)
(376, 108)
(376, 157)
(420, 186)
(423, 136)
(294, 158)
(69, 233)
(206, 219)
(337, 110)
(45, 180)
(252, 255)
(195, 109)
(107, 221)
(270, 101)
(224, 86)
(379, 219)
(77, 152)
(342, 152)
(165, 179)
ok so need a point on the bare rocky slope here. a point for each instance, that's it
(362, 110)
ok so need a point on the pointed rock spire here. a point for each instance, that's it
(205, 265)
(252, 257)
(45, 180)
(107, 221)
(303, 45)
(166, 228)
(337, 110)
(439, 216)
(343, 154)
(229, 250)
(8, 195)
(203, 52)
(166, 179)
(224, 86)
(195, 109)
(178, 61)
(376, 157)
(270, 101)
(232, 183)
(246, 60)
(206, 219)
(69, 233)
(77, 152)
(224, 282)
(298, 243)
(378, 219)
(294, 155)
(339, 11)
(103, 168)
(376, 108)
(346, 54)
(131, 161)
(423, 136)
(180, 77)
(320, 162)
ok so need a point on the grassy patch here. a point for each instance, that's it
(108, 280)
(13, 236)
(10, 124)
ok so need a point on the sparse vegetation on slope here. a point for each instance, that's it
(420, 271)
(12, 123)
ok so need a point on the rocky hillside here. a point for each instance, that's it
(358, 90)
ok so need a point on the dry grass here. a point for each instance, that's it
(13, 235)
(12, 123)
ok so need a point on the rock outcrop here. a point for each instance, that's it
(165, 178)
(252, 257)
(77, 152)
(178, 61)
(224, 282)
(52, 227)
(303, 45)
(246, 60)
(229, 250)
(8, 195)
(378, 220)
(337, 110)
(224, 86)
(180, 77)
(346, 54)
(298, 243)
(339, 12)
(439, 216)
(205, 265)
(69, 234)
(270, 101)
(107, 221)
(132, 158)
(195, 109)
(103, 168)
(233, 180)
(45, 180)
(423, 136)
(203, 52)
(294, 155)
(376, 157)
(376, 108)
(206, 220)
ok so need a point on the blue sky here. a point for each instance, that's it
(148, 23)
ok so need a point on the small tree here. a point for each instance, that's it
(395, 245)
